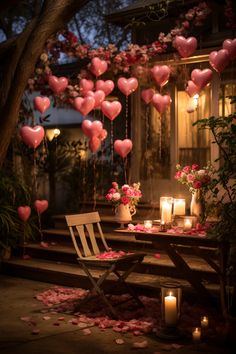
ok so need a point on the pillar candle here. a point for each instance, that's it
(187, 224)
(204, 322)
(196, 334)
(170, 305)
(166, 212)
(179, 207)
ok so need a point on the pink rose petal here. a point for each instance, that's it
(143, 344)
(35, 331)
(86, 332)
(166, 347)
(44, 244)
(26, 257)
(119, 341)
(26, 318)
(46, 318)
(176, 346)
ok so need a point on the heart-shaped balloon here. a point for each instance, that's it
(102, 136)
(201, 77)
(40, 205)
(41, 103)
(98, 66)
(106, 86)
(147, 95)
(192, 89)
(111, 109)
(84, 105)
(161, 74)
(161, 103)
(24, 212)
(185, 46)
(98, 96)
(32, 136)
(123, 147)
(219, 60)
(94, 143)
(85, 86)
(230, 45)
(57, 84)
(91, 129)
(127, 86)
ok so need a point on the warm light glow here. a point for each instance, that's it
(179, 207)
(56, 132)
(147, 224)
(52, 133)
(196, 334)
(187, 224)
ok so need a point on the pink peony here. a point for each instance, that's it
(186, 169)
(125, 200)
(197, 184)
(191, 178)
(116, 196)
(114, 185)
(109, 196)
(195, 167)
(178, 174)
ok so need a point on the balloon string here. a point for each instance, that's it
(125, 167)
(40, 227)
(23, 239)
(34, 176)
(112, 151)
(160, 142)
(126, 117)
(147, 128)
(94, 182)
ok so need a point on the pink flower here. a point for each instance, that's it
(206, 179)
(197, 184)
(191, 178)
(109, 196)
(125, 200)
(195, 167)
(114, 185)
(116, 196)
(125, 187)
(178, 174)
(186, 169)
(112, 190)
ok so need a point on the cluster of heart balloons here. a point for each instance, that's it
(24, 211)
(32, 136)
(221, 58)
(95, 132)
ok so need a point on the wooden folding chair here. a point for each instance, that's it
(82, 232)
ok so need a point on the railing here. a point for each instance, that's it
(200, 156)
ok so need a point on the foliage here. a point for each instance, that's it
(223, 187)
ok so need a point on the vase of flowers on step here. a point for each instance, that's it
(198, 182)
(124, 199)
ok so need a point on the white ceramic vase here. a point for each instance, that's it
(197, 206)
(124, 213)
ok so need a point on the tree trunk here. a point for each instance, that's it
(25, 52)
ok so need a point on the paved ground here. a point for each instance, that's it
(17, 301)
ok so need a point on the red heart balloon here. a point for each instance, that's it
(102, 136)
(111, 109)
(98, 96)
(57, 84)
(40, 205)
(161, 102)
(98, 66)
(94, 143)
(161, 74)
(123, 147)
(91, 129)
(85, 86)
(147, 95)
(185, 46)
(219, 60)
(32, 136)
(106, 86)
(84, 105)
(230, 45)
(127, 86)
(192, 89)
(24, 212)
(201, 77)
(41, 103)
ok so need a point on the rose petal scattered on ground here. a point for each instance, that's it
(26, 257)
(61, 318)
(176, 346)
(46, 318)
(44, 244)
(25, 319)
(82, 325)
(157, 255)
(35, 331)
(74, 321)
(119, 341)
(143, 344)
(86, 331)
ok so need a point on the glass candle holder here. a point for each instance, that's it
(204, 322)
(179, 206)
(166, 209)
(170, 303)
(147, 224)
(196, 334)
(187, 224)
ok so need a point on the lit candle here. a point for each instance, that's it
(179, 207)
(147, 224)
(166, 212)
(187, 224)
(196, 334)
(204, 322)
(170, 306)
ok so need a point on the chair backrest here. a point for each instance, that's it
(81, 228)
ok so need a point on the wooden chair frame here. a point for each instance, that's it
(81, 227)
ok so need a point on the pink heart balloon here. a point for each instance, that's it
(192, 89)
(111, 109)
(185, 46)
(106, 86)
(98, 96)
(85, 86)
(98, 66)
(161, 74)
(40, 205)
(161, 102)
(230, 45)
(219, 60)
(32, 136)
(57, 84)
(201, 77)
(123, 147)
(41, 103)
(91, 129)
(102, 136)
(84, 105)
(147, 95)
(94, 143)
(127, 86)
(24, 212)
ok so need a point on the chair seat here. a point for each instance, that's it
(107, 262)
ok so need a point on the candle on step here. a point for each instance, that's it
(196, 334)
(204, 322)
(179, 206)
(170, 310)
